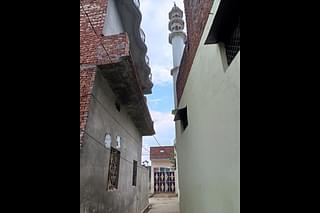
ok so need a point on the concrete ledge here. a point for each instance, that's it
(123, 79)
(164, 195)
(147, 208)
(131, 19)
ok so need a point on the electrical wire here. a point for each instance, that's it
(101, 144)
(94, 30)
(156, 140)
(112, 116)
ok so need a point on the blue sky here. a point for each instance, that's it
(155, 25)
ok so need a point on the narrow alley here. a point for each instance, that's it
(159, 106)
(164, 203)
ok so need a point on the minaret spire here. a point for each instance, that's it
(177, 39)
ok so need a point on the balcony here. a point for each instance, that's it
(122, 75)
(130, 14)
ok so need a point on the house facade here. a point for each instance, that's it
(207, 115)
(114, 78)
(163, 170)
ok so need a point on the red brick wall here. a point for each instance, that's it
(87, 76)
(156, 154)
(197, 12)
(94, 47)
(116, 45)
(91, 38)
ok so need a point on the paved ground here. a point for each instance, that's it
(164, 203)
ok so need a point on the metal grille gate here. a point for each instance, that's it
(114, 165)
(164, 182)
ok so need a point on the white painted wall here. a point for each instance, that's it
(112, 23)
(209, 148)
(177, 177)
(161, 163)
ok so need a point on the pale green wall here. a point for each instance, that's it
(209, 149)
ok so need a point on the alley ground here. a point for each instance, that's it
(164, 203)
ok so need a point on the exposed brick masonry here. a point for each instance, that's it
(116, 45)
(87, 76)
(91, 38)
(89, 42)
(197, 12)
(155, 152)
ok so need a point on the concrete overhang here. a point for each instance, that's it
(174, 70)
(226, 18)
(159, 159)
(123, 80)
(131, 20)
(179, 114)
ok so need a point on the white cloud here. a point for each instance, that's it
(156, 101)
(164, 127)
(163, 122)
(160, 75)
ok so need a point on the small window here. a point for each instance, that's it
(113, 172)
(226, 29)
(182, 115)
(162, 151)
(134, 174)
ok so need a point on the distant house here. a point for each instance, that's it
(163, 174)
(114, 77)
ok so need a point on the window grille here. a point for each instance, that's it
(114, 165)
(134, 176)
(232, 45)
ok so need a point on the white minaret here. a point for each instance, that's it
(177, 38)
